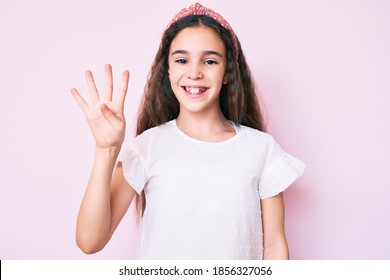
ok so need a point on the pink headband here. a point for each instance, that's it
(198, 9)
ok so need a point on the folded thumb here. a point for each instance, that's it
(110, 116)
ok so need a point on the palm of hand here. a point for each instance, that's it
(105, 118)
(104, 132)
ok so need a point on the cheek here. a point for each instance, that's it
(174, 81)
(174, 76)
(219, 76)
(171, 79)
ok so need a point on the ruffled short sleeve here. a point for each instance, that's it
(280, 171)
(133, 165)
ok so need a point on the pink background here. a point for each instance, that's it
(323, 68)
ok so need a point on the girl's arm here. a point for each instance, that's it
(107, 196)
(274, 239)
(105, 202)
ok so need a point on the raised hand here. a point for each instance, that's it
(105, 116)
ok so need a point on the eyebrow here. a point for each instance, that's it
(204, 53)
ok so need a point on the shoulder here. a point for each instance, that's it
(145, 144)
(155, 132)
(149, 138)
(257, 143)
(249, 134)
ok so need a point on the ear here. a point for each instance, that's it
(225, 80)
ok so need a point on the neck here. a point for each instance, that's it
(208, 127)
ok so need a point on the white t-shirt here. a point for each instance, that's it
(203, 198)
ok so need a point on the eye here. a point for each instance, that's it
(210, 62)
(181, 61)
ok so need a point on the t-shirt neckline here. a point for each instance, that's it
(184, 135)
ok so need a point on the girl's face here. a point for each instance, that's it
(197, 66)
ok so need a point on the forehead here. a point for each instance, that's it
(198, 38)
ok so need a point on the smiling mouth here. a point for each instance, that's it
(194, 90)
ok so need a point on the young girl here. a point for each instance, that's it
(207, 180)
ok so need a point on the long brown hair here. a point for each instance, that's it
(239, 100)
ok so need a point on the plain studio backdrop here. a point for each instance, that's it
(322, 67)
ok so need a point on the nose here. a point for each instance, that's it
(195, 72)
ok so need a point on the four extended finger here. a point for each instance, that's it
(92, 86)
(108, 84)
(80, 100)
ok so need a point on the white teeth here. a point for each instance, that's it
(195, 91)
